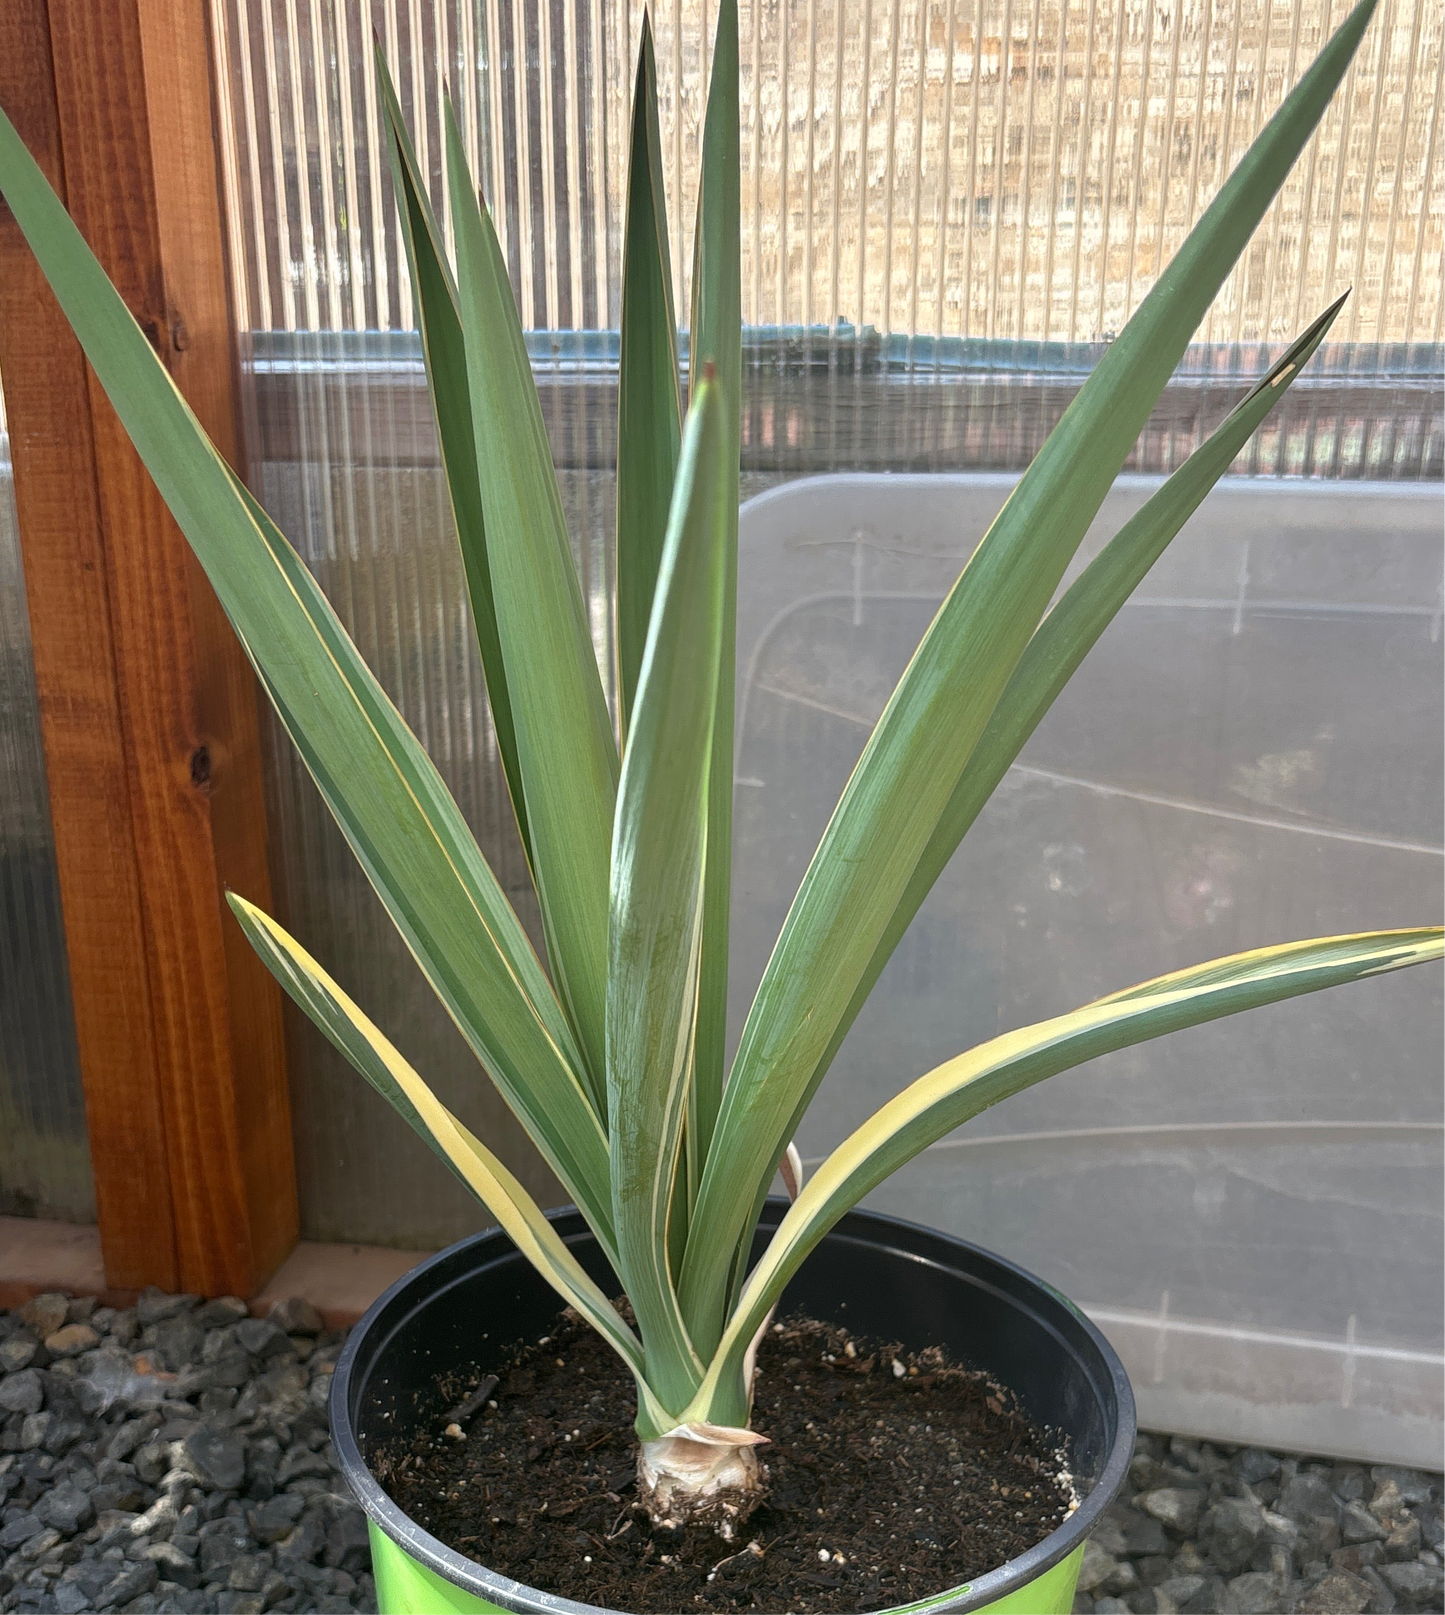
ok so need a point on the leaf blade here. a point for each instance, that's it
(373, 1055)
(441, 336)
(961, 1088)
(414, 844)
(916, 754)
(715, 336)
(659, 858)
(1067, 634)
(649, 406)
(565, 745)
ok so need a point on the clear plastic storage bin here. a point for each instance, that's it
(1252, 753)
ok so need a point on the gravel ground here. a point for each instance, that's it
(174, 1456)
(1206, 1528)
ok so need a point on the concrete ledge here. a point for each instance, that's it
(36, 1256)
(340, 1281)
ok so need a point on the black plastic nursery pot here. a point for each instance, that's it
(875, 1275)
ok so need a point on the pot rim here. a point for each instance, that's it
(896, 1234)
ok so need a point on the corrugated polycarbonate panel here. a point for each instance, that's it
(949, 207)
(996, 169)
(376, 530)
(44, 1152)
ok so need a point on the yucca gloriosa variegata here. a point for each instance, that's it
(615, 1062)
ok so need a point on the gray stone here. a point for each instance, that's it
(1432, 1529)
(152, 1461)
(1229, 1534)
(224, 1310)
(131, 1583)
(1253, 1464)
(1412, 1484)
(1386, 1502)
(1382, 1600)
(155, 1306)
(231, 1369)
(1142, 1536)
(306, 1542)
(44, 1314)
(20, 1529)
(249, 1572)
(129, 1435)
(1096, 1568)
(34, 1428)
(300, 1462)
(121, 1495)
(39, 1546)
(261, 1337)
(1338, 1593)
(1109, 1535)
(274, 1588)
(347, 1544)
(31, 1601)
(194, 1601)
(180, 1568)
(1208, 1599)
(1175, 1507)
(1178, 1594)
(23, 1392)
(233, 1603)
(1403, 1542)
(17, 1352)
(66, 1507)
(158, 1520)
(217, 1458)
(222, 1547)
(1254, 1593)
(1357, 1524)
(1415, 1581)
(296, 1316)
(179, 1341)
(72, 1599)
(1308, 1497)
(272, 1520)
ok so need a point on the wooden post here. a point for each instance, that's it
(148, 708)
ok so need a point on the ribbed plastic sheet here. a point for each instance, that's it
(949, 207)
(44, 1154)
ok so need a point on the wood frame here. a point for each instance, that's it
(149, 711)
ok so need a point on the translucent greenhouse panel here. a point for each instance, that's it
(948, 207)
(348, 468)
(44, 1152)
(1252, 753)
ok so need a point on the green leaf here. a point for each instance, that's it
(565, 745)
(916, 754)
(1068, 633)
(387, 796)
(446, 370)
(963, 1087)
(716, 337)
(649, 409)
(377, 1059)
(659, 851)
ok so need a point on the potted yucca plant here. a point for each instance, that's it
(612, 1053)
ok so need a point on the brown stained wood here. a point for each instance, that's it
(133, 96)
(48, 408)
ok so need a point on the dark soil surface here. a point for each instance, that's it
(893, 1477)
